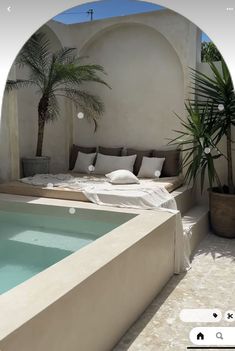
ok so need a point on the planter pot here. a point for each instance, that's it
(35, 165)
(222, 214)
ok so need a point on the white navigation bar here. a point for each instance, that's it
(210, 336)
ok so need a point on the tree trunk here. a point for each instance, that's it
(42, 111)
(41, 125)
(230, 162)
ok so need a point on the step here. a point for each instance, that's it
(185, 198)
(196, 223)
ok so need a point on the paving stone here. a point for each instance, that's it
(209, 284)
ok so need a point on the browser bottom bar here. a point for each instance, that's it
(210, 348)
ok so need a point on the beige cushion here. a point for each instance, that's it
(83, 162)
(140, 154)
(74, 153)
(150, 166)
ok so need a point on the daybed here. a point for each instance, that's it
(170, 179)
(19, 188)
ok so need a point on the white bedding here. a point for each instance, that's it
(62, 181)
(146, 199)
(101, 192)
(130, 196)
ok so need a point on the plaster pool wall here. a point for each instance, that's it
(88, 300)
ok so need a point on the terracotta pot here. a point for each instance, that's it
(222, 213)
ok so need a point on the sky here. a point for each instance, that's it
(108, 8)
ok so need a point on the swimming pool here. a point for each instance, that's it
(32, 240)
(102, 287)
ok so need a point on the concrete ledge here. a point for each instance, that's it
(185, 198)
(196, 222)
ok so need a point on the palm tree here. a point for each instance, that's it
(218, 92)
(57, 74)
(211, 116)
(209, 52)
(198, 139)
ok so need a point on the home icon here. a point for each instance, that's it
(200, 336)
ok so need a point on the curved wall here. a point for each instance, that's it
(18, 132)
(146, 57)
(147, 83)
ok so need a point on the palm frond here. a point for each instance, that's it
(36, 54)
(58, 73)
(91, 105)
(88, 73)
(197, 135)
(38, 47)
(19, 83)
(66, 55)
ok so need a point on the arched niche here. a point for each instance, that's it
(29, 18)
(19, 123)
(147, 80)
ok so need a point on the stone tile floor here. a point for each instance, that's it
(209, 284)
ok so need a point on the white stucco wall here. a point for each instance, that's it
(146, 57)
(9, 135)
(147, 84)
(5, 155)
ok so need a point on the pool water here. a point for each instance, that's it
(30, 243)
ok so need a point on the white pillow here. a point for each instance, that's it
(149, 167)
(83, 162)
(122, 176)
(106, 164)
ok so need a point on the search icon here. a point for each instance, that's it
(219, 335)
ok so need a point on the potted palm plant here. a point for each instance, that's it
(55, 74)
(211, 117)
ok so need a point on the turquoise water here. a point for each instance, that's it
(30, 243)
